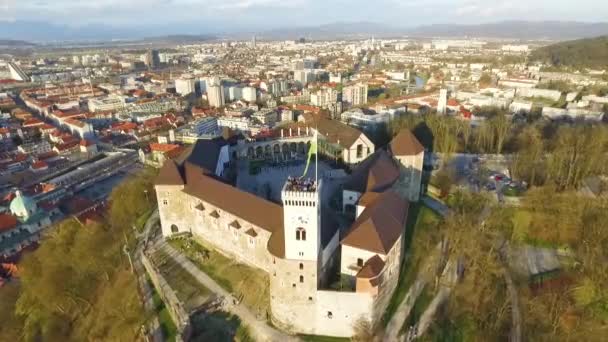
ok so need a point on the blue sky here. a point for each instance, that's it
(264, 14)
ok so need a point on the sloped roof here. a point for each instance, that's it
(250, 208)
(376, 173)
(169, 174)
(380, 225)
(405, 144)
(372, 268)
(7, 222)
(205, 153)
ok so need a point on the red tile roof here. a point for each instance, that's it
(156, 147)
(7, 222)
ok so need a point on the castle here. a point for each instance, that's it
(297, 242)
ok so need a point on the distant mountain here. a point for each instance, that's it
(553, 30)
(9, 43)
(333, 31)
(180, 38)
(583, 53)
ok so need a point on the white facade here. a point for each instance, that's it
(302, 222)
(185, 86)
(250, 94)
(355, 95)
(215, 94)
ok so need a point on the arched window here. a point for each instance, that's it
(301, 279)
(174, 228)
(301, 266)
(301, 234)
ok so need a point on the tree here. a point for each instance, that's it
(578, 152)
(529, 162)
(501, 126)
(485, 80)
(76, 286)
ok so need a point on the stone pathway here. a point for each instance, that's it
(259, 328)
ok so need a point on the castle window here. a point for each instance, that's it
(301, 234)
(293, 285)
(301, 279)
(174, 228)
(310, 299)
(301, 266)
(330, 315)
(165, 202)
(360, 262)
(301, 254)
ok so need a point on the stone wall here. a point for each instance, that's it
(187, 215)
(174, 306)
(410, 176)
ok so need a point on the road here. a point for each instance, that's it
(259, 328)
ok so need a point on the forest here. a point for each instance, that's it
(77, 286)
(589, 53)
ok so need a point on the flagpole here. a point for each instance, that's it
(316, 157)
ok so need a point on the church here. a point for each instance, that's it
(297, 242)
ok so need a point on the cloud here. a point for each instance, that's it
(249, 4)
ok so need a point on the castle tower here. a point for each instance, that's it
(302, 219)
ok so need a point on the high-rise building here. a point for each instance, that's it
(215, 92)
(185, 86)
(253, 42)
(250, 94)
(235, 93)
(152, 59)
(355, 95)
(303, 77)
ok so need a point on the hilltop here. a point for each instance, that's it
(583, 53)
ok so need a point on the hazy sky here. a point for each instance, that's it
(263, 14)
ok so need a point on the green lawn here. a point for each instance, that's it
(243, 281)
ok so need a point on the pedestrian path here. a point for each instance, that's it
(259, 328)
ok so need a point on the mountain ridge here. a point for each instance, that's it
(514, 29)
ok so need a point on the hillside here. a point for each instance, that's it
(553, 30)
(583, 53)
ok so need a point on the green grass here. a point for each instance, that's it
(167, 325)
(421, 231)
(241, 280)
(140, 222)
(319, 338)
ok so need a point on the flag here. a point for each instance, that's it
(312, 150)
